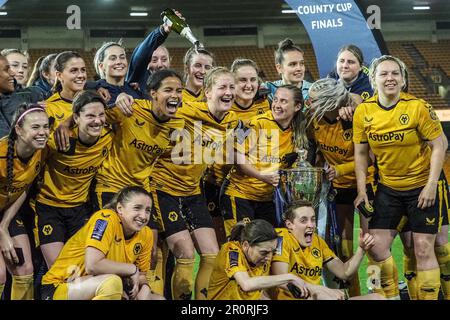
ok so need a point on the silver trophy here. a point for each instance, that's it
(304, 182)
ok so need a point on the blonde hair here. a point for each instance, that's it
(213, 74)
(376, 62)
(330, 94)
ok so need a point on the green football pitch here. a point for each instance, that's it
(397, 253)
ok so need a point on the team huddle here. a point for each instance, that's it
(109, 188)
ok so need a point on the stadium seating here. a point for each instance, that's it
(435, 54)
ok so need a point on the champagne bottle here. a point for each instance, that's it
(180, 26)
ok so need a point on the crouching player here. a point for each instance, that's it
(302, 252)
(109, 255)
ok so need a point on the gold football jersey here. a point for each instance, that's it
(230, 260)
(139, 141)
(58, 109)
(104, 232)
(69, 174)
(202, 143)
(306, 263)
(216, 173)
(268, 149)
(189, 96)
(24, 173)
(398, 138)
(335, 142)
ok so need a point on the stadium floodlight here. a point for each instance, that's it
(3, 13)
(421, 8)
(288, 11)
(138, 14)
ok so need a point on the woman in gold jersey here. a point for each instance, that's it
(70, 79)
(186, 223)
(109, 257)
(246, 105)
(141, 138)
(21, 159)
(62, 204)
(405, 135)
(333, 136)
(197, 62)
(241, 270)
(305, 254)
(271, 143)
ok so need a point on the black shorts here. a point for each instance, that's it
(443, 203)
(212, 196)
(176, 214)
(391, 206)
(16, 226)
(47, 291)
(103, 198)
(348, 195)
(235, 209)
(56, 224)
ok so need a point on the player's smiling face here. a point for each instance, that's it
(388, 78)
(303, 225)
(167, 98)
(90, 121)
(134, 213)
(246, 83)
(283, 106)
(293, 67)
(115, 63)
(19, 65)
(34, 130)
(73, 76)
(347, 66)
(199, 66)
(160, 60)
(6, 77)
(221, 95)
(260, 253)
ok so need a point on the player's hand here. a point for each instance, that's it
(366, 241)
(346, 113)
(7, 247)
(270, 178)
(428, 196)
(324, 293)
(134, 85)
(124, 102)
(302, 288)
(62, 136)
(104, 93)
(361, 197)
(168, 28)
(331, 173)
(134, 285)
